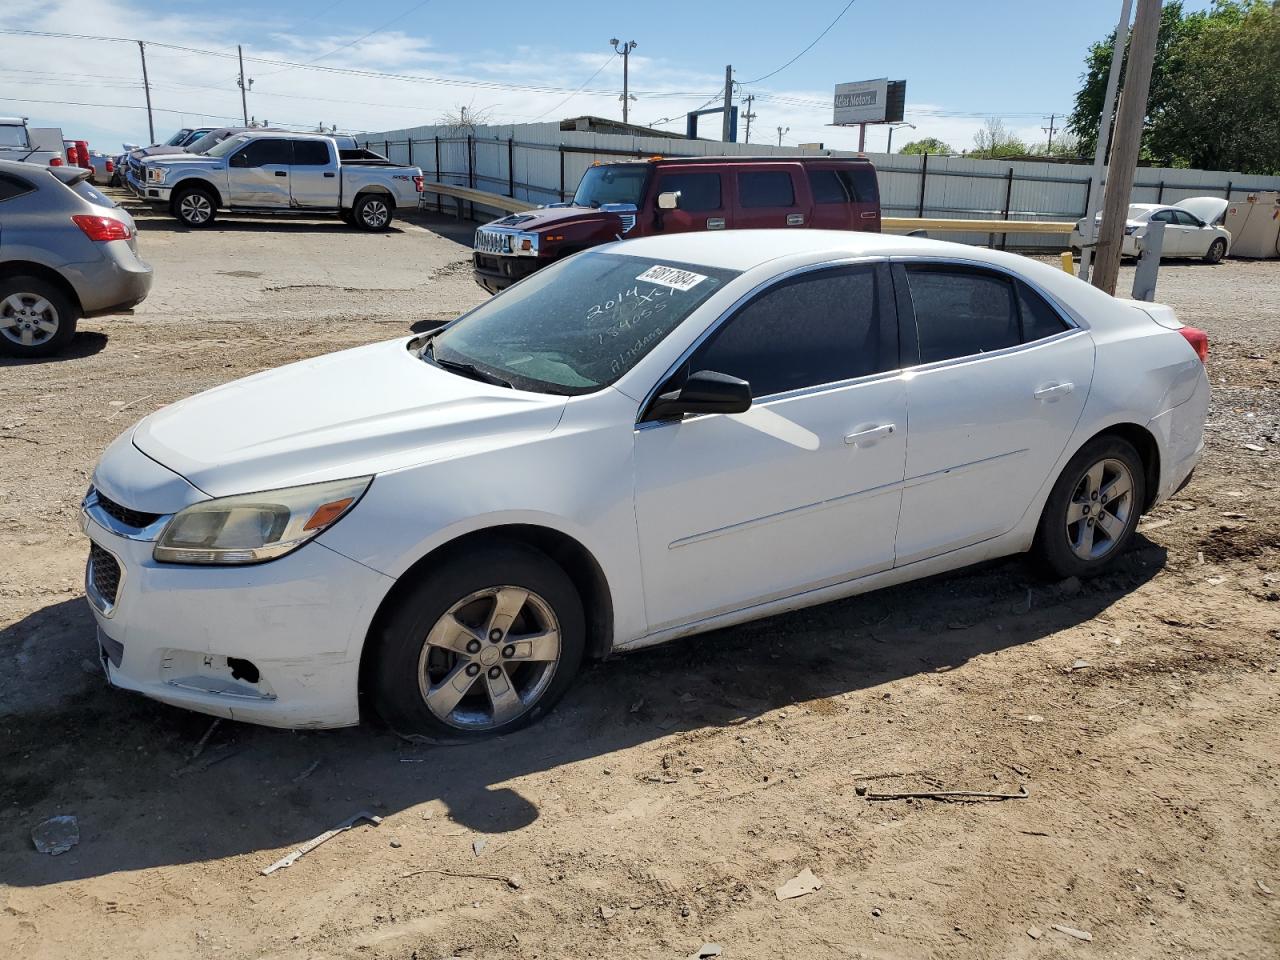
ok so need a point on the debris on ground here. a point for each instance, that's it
(706, 951)
(199, 748)
(1264, 888)
(477, 846)
(1073, 932)
(307, 772)
(1078, 665)
(1035, 933)
(948, 796)
(515, 881)
(607, 913)
(56, 835)
(802, 883)
(328, 835)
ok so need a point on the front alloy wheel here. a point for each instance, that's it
(484, 642)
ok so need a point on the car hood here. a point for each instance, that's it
(160, 151)
(557, 217)
(1208, 209)
(358, 412)
(182, 160)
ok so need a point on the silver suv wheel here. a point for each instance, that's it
(28, 319)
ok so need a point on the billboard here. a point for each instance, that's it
(870, 101)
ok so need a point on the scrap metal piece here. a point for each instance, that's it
(56, 835)
(328, 835)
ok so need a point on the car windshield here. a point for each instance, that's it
(13, 136)
(612, 183)
(178, 137)
(209, 140)
(1137, 212)
(226, 146)
(578, 325)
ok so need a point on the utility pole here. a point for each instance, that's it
(726, 127)
(151, 124)
(625, 52)
(1050, 129)
(244, 105)
(1103, 141)
(781, 131)
(749, 116)
(1128, 140)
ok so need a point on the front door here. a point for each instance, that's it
(703, 202)
(313, 175)
(1003, 381)
(802, 490)
(771, 196)
(258, 174)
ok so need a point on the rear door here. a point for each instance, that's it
(846, 196)
(258, 174)
(1002, 380)
(770, 196)
(313, 175)
(703, 203)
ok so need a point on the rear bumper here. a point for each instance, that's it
(496, 273)
(118, 281)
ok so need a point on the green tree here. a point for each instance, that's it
(1215, 89)
(927, 145)
(994, 141)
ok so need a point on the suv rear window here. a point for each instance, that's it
(96, 197)
(766, 188)
(835, 186)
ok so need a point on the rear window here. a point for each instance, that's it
(310, 153)
(93, 195)
(766, 188)
(698, 191)
(841, 185)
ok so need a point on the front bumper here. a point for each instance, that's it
(184, 634)
(495, 272)
(150, 192)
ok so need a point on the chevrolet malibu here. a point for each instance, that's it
(647, 440)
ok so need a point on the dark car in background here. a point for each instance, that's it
(617, 201)
(66, 252)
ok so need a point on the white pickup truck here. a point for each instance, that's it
(278, 172)
(29, 144)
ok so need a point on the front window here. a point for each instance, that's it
(226, 146)
(578, 325)
(13, 136)
(612, 183)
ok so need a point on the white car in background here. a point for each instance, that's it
(645, 440)
(1185, 233)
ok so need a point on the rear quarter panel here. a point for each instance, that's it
(397, 180)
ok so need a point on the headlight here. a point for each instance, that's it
(156, 174)
(1130, 231)
(254, 527)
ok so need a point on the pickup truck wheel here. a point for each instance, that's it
(36, 318)
(195, 207)
(372, 212)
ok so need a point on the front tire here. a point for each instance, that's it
(195, 207)
(1093, 510)
(479, 648)
(1217, 250)
(372, 212)
(37, 319)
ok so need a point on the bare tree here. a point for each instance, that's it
(993, 141)
(462, 119)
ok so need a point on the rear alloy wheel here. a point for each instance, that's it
(1217, 250)
(1093, 510)
(480, 647)
(195, 207)
(36, 318)
(372, 212)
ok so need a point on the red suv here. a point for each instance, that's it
(637, 199)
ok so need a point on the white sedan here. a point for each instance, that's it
(1185, 234)
(647, 440)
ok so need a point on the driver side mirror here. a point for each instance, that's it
(704, 392)
(669, 200)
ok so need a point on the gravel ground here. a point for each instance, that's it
(661, 806)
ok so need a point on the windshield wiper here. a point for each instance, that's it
(465, 369)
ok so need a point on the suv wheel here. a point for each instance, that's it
(195, 207)
(36, 318)
(479, 648)
(372, 212)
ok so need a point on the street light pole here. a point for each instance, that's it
(781, 131)
(625, 52)
(892, 127)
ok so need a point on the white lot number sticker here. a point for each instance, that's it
(671, 277)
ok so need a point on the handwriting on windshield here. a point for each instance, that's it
(627, 309)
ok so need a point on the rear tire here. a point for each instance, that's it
(1093, 510)
(1217, 250)
(195, 207)
(372, 212)
(480, 647)
(37, 319)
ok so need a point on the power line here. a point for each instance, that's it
(576, 92)
(808, 48)
(398, 17)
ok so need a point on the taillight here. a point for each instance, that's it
(111, 166)
(1199, 341)
(55, 161)
(417, 184)
(102, 228)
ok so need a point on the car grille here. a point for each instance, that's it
(104, 576)
(492, 242)
(127, 516)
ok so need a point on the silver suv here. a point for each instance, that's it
(66, 252)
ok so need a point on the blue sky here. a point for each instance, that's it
(1019, 61)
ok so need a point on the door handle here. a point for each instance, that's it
(330, 173)
(281, 173)
(1052, 391)
(715, 223)
(870, 434)
(795, 219)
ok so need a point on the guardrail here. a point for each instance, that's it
(888, 224)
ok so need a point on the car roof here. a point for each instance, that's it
(13, 121)
(257, 132)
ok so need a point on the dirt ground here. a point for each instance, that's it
(674, 790)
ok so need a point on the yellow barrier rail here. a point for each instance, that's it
(888, 224)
